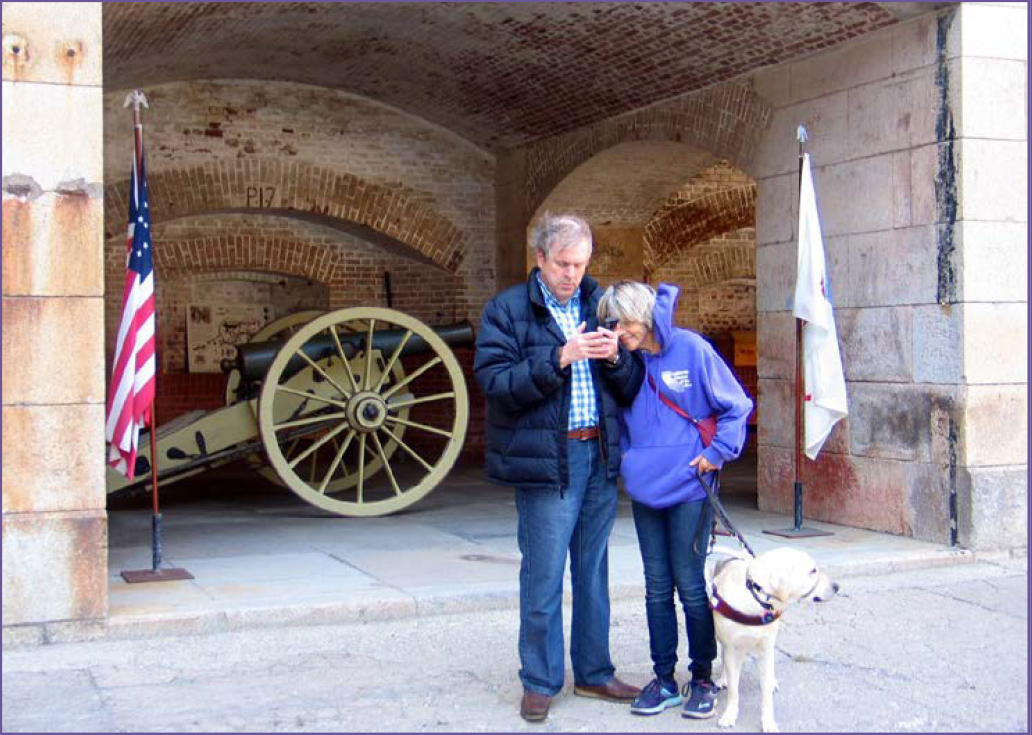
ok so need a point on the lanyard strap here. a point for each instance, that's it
(670, 404)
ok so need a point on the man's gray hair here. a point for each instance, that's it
(555, 233)
(628, 301)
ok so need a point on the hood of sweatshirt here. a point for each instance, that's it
(663, 315)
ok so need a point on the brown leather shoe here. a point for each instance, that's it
(534, 707)
(613, 691)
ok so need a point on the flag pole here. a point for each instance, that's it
(138, 99)
(797, 530)
(798, 502)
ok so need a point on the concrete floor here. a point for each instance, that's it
(261, 556)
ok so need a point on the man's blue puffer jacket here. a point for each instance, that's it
(528, 395)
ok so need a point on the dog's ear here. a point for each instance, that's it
(761, 572)
(798, 576)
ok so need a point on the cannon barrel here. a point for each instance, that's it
(253, 359)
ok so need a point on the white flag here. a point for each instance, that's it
(824, 384)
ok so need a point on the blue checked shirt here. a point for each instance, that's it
(583, 409)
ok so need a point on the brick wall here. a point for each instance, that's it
(717, 280)
(296, 197)
(313, 155)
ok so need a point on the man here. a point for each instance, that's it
(553, 381)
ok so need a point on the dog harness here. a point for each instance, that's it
(719, 605)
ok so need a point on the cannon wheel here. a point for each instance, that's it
(282, 328)
(367, 412)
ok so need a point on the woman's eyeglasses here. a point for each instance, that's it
(610, 324)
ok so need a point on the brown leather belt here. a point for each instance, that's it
(590, 432)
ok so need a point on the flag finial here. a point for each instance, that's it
(136, 98)
(801, 135)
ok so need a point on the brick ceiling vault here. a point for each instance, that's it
(499, 74)
(341, 201)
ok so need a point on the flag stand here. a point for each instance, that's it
(798, 530)
(156, 573)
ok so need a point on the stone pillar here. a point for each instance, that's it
(54, 519)
(986, 275)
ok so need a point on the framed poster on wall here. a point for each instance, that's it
(214, 330)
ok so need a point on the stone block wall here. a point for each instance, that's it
(54, 522)
(869, 108)
(894, 185)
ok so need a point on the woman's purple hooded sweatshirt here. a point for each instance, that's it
(658, 444)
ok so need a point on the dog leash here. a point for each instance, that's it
(718, 509)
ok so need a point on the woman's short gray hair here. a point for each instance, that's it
(628, 301)
(558, 232)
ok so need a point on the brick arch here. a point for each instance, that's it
(727, 121)
(730, 264)
(681, 224)
(383, 214)
(183, 257)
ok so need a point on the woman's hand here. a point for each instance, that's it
(703, 464)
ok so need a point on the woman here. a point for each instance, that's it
(663, 452)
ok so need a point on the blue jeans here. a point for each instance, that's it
(549, 524)
(673, 544)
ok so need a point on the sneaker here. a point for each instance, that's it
(656, 697)
(700, 698)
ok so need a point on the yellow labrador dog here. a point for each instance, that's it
(748, 596)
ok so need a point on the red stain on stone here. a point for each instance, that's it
(17, 237)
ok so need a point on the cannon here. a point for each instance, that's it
(360, 411)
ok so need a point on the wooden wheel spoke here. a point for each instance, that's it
(313, 396)
(424, 427)
(394, 359)
(316, 444)
(361, 466)
(340, 351)
(312, 466)
(337, 460)
(402, 403)
(322, 372)
(407, 448)
(367, 376)
(310, 421)
(410, 377)
(386, 464)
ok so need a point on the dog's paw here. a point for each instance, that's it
(720, 681)
(728, 719)
(774, 685)
(768, 725)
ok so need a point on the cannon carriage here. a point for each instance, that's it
(360, 411)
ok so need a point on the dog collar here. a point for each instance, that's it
(720, 605)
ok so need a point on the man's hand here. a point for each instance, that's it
(587, 346)
(612, 340)
(703, 464)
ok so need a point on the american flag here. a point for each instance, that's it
(132, 379)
